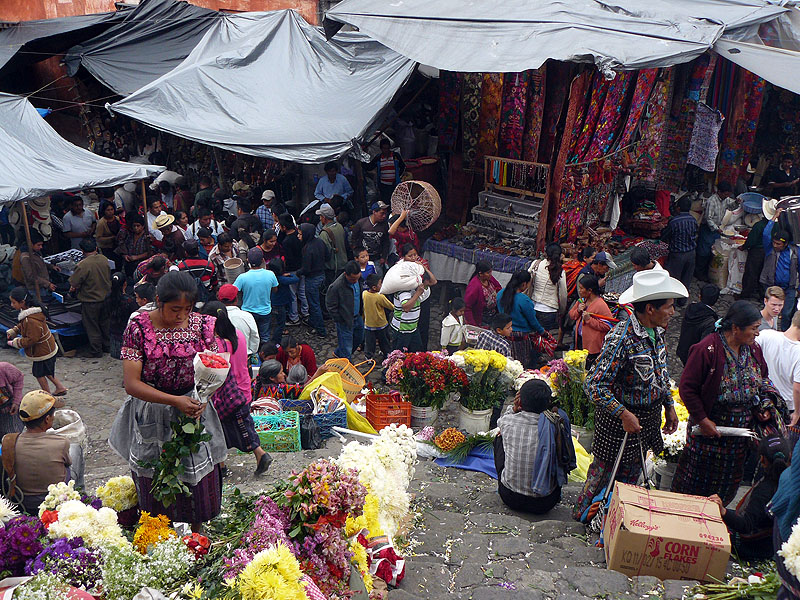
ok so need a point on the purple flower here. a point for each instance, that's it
(71, 560)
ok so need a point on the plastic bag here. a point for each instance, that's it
(69, 423)
(358, 422)
(331, 381)
(584, 459)
(310, 435)
(209, 373)
(403, 277)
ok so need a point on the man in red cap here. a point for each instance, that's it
(243, 321)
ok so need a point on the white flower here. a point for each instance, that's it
(98, 528)
(790, 551)
(7, 511)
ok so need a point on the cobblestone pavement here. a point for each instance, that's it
(464, 542)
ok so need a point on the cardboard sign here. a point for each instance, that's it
(666, 535)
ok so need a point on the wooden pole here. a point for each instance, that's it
(144, 199)
(30, 245)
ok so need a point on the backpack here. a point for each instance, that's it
(203, 293)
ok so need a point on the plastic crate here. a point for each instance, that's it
(279, 432)
(385, 409)
(327, 421)
(303, 407)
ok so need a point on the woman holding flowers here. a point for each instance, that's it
(724, 383)
(590, 313)
(513, 300)
(158, 349)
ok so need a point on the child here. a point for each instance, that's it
(367, 266)
(750, 525)
(497, 338)
(375, 323)
(281, 298)
(268, 351)
(145, 296)
(452, 337)
(35, 337)
(120, 306)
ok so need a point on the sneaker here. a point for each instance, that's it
(294, 321)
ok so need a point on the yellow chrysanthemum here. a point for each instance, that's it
(273, 574)
(151, 531)
(361, 563)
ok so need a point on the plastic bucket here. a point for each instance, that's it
(473, 421)
(233, 268)
(422, 416)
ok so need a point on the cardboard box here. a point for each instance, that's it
(669, 536)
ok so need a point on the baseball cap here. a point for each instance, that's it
(240, 186)
(228, 292)
(268, 195)
(379, 206)
(191, 245)
(255, 256)
(603, 257)
(37, 404)
(326, 210)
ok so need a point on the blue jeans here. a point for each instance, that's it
(299, 305)
(313, 289)
(262, 322)
(788, 308)
(349, 337)
(278, 322)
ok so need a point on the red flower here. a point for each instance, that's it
(48, 517)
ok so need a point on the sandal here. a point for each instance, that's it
(61, 393)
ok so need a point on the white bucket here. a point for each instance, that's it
(422, 416)
(473, 421)
(233, 268)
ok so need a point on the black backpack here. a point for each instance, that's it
(203, 293)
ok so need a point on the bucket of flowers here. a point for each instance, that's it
(567, 377)
(425, 379)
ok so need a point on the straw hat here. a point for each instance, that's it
(163, 221)
(769, 207)
(655, 284)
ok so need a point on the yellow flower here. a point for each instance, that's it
(273, 574)
(360, 561)
(151, 531)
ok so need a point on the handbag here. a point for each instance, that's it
(310, 434)
(543, 343)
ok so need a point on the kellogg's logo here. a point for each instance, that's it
(642, 525)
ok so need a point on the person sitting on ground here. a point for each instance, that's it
(699, 321)
(292, 352)
(452, 333)
(271, 380)
(774, 299)
(533, 453)
(750, 525)
(12, 382)
(145, 296)
(297, 375)
(40, 458)
(498, 338)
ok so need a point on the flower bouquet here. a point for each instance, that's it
(119, 494)
(489, 380)
(567, 376)
(425, 378)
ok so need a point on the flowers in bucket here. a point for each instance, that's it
(567, 376)
(97, 527)
(273, 573)
(118, 493)
(489, 382)
(425, 378)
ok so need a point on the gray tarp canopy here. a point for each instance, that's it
(151, 40)
(269, 84)
(36, 161)
(28, 42)
(515, 35)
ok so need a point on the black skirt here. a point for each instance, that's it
(44, 368)
(240, 431)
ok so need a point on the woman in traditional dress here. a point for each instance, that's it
(588, 312)
(512, 300)
(158, 349)
(11, 382)
(480, 297)
(724, 383)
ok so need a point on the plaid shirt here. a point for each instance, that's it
(520, 432)
(489, 340)
(714, 210)
(265, 214)
(682, 232)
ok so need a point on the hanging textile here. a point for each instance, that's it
(779, 127)
(704, 146)
(449, 99)
(534, 114)
(740, 133)
(556, 92)
(644, 87)
(580, 145)
(612, 115)
(551, 214)
(648, 151)
(470, 116)
(489, 121)
(512, 120)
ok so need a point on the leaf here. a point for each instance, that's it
(188, 428)
(296, 531)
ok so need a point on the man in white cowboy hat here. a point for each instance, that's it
(166, 230)
(629, 384)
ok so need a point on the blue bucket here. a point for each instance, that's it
(751, 202)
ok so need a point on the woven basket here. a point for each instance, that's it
(279, 432)
(327, 421)
(353, 380)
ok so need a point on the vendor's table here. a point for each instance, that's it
(451, 262)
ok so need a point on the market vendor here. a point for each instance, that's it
(533, 453)
(372, 233)
(390, 167)
(782, 181)
(333, 189)
(629, 384)
(480, 297)
(513, 300)
(599, 267)
(35, 271)
(711, 225)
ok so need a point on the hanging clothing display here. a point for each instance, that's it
(489, 121)
(449, 103)
(470, 116)
(648, 151)
(779, 127)
(645, 81)
(613, 114)
(534, 114)
(512, 120)
(556, 92)
(704, 146)
(740, 133)
(580, 143)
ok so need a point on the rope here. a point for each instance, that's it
(47, 85)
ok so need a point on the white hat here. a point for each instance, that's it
(129, 187)
(655, 284)
(268, 195)
(769, 207)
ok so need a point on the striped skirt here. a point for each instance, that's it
(202, 504)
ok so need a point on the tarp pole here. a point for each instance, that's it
(30, 246)
(144, 202)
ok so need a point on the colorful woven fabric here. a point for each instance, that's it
(470, 116)
(704, 146)
(580, 144)
(534, 114)
(512, 120)
(489, 121)
(648, 151)
(556, 92)
(449, 100)
(741, 131)
(779, 127)
(612, 115)
(641, 95)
